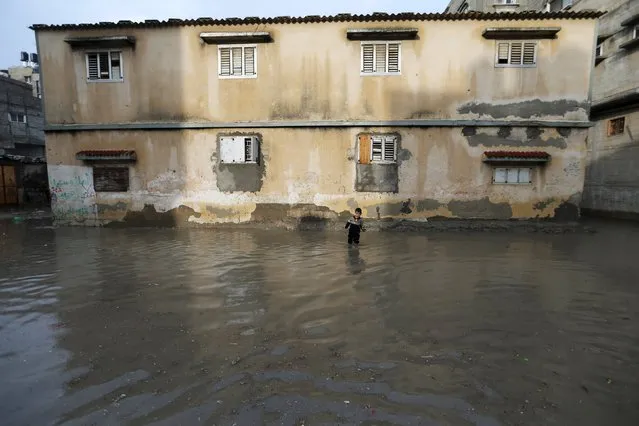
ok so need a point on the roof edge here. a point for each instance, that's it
(342, 17)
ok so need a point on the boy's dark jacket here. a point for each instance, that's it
(355, 225)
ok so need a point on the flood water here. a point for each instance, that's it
(185, 327)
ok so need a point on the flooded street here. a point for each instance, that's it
(185, 327)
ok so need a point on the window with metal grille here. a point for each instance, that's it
(383, 149)
(381, 58)
(111, 179)
(616, 126)
(516, 54)
(17, 117)
(104, 66)
(237, 61)
(513, 175)
(239, 149)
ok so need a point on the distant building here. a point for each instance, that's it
(486, 6)
(23, 175)
(212, 121)
(27, 74)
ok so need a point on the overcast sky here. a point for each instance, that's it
(17, 15)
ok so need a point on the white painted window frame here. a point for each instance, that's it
(111, 79)
(518, 168)
(376, 42)
(231, 46)
(17, 114)
(509, 65)
(599, 50)
(387, 138)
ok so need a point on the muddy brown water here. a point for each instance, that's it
(185, 327)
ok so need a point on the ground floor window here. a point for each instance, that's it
(512, 175)
(110, 178)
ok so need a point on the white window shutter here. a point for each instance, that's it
(368, 58)
(389, 148)
(380, 58)
(92, 66)
(524, 175)
(500, 175)
(226, 149)
(502, 53)
(116, 65)
(377, 147)
(225, 61)
(236, 58)
(249, 61)
(530, 53)
(516, 53)
(393, 57)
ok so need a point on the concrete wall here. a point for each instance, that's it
(449, 82)
(449, 72)
(16, 97)
(612, 181)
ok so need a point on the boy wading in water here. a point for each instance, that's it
(354, 226)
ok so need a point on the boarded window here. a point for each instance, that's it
(516, 53)
(237, 61)
(616, 126)
(513, 175)
(239, 149)
(381, 58)
(104, 66)
(111, 179)
(364, 149)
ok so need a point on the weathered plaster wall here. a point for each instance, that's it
(311, 174)
(448, 72)
(73, 199)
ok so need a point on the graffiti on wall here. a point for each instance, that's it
(72, 194)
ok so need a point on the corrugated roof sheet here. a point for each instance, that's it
(342, 17)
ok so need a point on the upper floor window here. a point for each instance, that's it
(516, 54)
(381, 58)
(104, 66)
(463, 8)
(599, 50)
(17, 117)
(635, 32)
(237, 61)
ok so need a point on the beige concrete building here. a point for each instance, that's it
(612, 180)
(29, 75)
(296, 120)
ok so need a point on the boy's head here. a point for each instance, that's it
(358, 212)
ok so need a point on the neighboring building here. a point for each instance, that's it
(23, 174)
(211, 121)
(487, 6)
(612, 181)
(29, 75)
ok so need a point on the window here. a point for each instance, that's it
(17, 117)
(27, 79)
(239, 149)
(237, 61)
(463, 8)
(516, 54)
(104, 66)
(599, 50)
(506, 2)
(37, 84)
(513, 175)
(377, 149)
(111, 179)
(616, 126)
(557, 5)
(635, 33)
(381, 58)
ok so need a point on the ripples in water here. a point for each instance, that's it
(172, 327)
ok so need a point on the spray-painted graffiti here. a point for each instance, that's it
(72, 193)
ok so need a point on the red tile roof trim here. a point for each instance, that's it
(342, 17)
(517, 154)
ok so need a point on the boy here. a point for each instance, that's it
(355, 225)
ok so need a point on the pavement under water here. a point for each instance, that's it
(249, 327)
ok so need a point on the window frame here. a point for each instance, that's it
(610, 130)
(231, 47)
(386, 138)
(17, 115)
(523, 44)
(374, 43)
(104, 80)
(635, 32)
(518, 168)
(599, 50)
